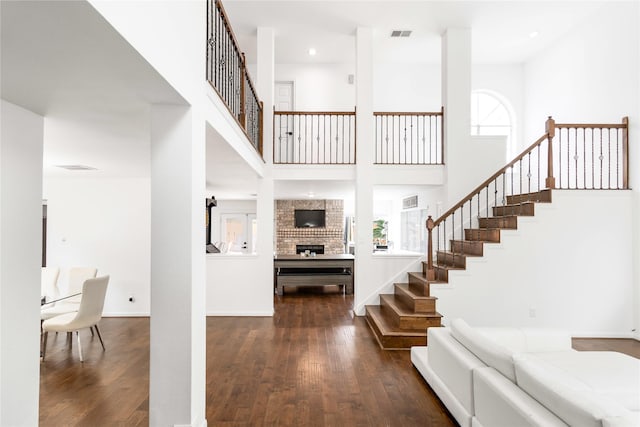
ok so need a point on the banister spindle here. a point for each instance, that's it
(550, 128)
(243, 105)
(431, 272)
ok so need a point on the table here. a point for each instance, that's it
(319, 270)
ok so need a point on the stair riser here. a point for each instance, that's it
(419, 288)
(543, 196)
(401, 343)
(468, 248)
(450, 259)
(417, 305)
(442, 274)
(509, 222)
(521, 210)
(482, 235)
(408, 323)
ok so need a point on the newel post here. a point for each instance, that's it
(431, 272)
(625, 153)
(550, 128)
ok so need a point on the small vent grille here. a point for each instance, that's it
(400, 33)
(77, 167)
(410, 202)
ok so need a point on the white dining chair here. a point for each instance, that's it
(49, 283)
(88, 315)
(75, 280)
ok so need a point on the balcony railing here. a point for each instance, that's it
(320, 138)
(227, 74)
(409, 138)
(567, 156)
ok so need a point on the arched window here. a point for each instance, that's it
(491, 115)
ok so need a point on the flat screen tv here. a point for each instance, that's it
(307, 218)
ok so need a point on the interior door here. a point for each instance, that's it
(284, 96)
(284, 102)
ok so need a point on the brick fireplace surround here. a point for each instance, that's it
(287, 236)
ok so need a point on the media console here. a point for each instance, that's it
(319, 270)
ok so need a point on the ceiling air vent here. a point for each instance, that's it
(400, 33)
(76, 167)
(410, 202)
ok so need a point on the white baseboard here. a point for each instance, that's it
(127, 314)
(240, 313)
(600, 334)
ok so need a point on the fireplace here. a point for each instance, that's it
(318, 249)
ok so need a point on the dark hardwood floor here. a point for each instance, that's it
(313, 364)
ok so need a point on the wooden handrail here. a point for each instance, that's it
(550, 133)
(314, 113)
(489, 180)
(407, 113)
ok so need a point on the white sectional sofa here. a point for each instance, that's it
(510, 377)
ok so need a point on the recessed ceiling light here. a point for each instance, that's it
(312, 51)
(311, 194)
(77, 167)
(533, 34)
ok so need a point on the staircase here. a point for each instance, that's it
(402, 318)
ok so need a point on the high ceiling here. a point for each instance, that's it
(61, 59)
(502, 30)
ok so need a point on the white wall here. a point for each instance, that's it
(103, 223)
(319, 87)
(235, 287)
(591, 75)
(588, 76)
(406, 87)
(386, 269)
(581, 278)
(20, 243)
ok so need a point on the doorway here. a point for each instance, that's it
(239, 231)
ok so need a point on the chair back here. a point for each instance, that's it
(92, 302)
(77, 277)
(49, 282)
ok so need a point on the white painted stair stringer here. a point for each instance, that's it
(569, 266)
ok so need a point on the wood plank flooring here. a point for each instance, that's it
(313, 364)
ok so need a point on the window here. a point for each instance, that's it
(491, 115)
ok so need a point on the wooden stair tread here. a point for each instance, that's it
(403, 311)
(375, 312)
(407, 290)
(422, 277)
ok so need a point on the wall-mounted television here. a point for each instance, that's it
(309, 218)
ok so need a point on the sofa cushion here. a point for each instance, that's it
(499, 402)
(485, 349)
(632, 419)
(567, 397)
(611, 374)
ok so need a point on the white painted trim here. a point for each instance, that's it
(126, 314)
(240, 313)
(600, 334)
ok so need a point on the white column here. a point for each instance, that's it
(178, 322)
(20, 261)
(265, 203)
(456, 98)
(364, 167)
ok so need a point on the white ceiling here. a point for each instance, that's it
(501, 29)
(61, 59)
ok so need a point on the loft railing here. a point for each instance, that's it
(320, 138)
(409, 138)
(583, 156)
(227, 74)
